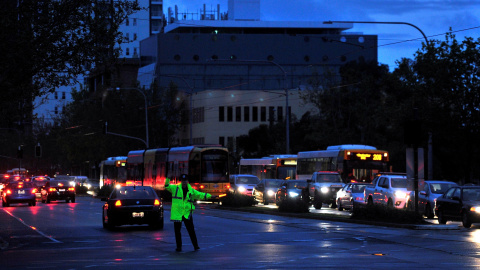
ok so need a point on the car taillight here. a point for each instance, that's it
(34, 191)
(52, 189)
(8, 191)
(118, 203)
(227, 186)
(71, 189)
(202, 186)
(157, 202)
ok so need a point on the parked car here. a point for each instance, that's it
(264, 191)
(427, 197)
(56, 190)
(40, 182)
(130, 205)
(19, 192)
(351, 195)
(293, 191)
(243, 184)
(460, 203)
(323, 188)
(388, 189)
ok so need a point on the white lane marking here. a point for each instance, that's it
(33, 228)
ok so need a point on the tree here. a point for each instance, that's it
(46, 44)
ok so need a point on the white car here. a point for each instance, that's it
(388, 189)
(243, 183)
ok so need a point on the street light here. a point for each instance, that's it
(366, 22)
(191, 109)
(146, 111)
(287, 117)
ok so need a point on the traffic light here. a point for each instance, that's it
(20, 152)
(38, 151)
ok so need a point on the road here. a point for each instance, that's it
(70, 236)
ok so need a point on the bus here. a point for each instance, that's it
(271, 167)
(113, 170)
(355, 163)
(207, 167)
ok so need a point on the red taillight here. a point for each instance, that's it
(157, 202)
(227, 186)
(118, 203)
(52, 189)
(202, 186)
(17, 178)
(71, 189)
(8, 191)
(34, 191)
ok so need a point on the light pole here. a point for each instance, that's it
(287, 116)
(191, 108)
(146, 111)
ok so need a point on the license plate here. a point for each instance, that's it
(21, 192)
(62, 189)
(135, 214)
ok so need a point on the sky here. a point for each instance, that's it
(433, 17)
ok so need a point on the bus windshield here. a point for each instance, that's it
(328, 178)
(213, 171)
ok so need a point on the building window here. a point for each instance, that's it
(56, 95)
(56, 110)
(238, 114)
(134, 36)
(135, 51)
(135, 22)
(254, 114)
(127, 22)
(246, 113)
(229, 114)
(127, 37)
(280, 113)
(221, 141)
(63, 95)
(221, 114)
(271, 114)
(263, 114)
(127, 51)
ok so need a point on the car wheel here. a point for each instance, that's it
(466, 222)
(34, 203)
(265, 200)
(390, 203)
(428, 211)
(339, 206)
(106, 225)
(317, 202)
(441, 218)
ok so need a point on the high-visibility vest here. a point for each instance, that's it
(183, 207)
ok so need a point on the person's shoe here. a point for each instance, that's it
(178, 249)
(196, 248)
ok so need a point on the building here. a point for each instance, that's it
(230, 64)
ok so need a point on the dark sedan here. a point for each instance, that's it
(19, 192)
(264, 191)
(56, 190)
(293, 194)
(132, 205)
(459, 203)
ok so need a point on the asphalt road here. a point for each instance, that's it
(70, 236)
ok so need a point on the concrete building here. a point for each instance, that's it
(234, 65)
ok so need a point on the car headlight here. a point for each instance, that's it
(400, 194)
(270, 193)
(293, 194)
(241, 189)
(475, 209)
(324, 189)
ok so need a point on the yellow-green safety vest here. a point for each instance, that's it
(181, 207)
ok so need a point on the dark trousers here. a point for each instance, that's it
(190, 228)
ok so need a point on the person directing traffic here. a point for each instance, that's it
(183, 197)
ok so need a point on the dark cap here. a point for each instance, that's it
(184, 177)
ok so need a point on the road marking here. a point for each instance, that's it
(33, 228)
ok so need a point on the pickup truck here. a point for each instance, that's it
(323, 188)
(388, 189)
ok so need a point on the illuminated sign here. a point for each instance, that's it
(289, 162)
(367, 156)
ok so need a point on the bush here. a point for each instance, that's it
(386, 214)
(237, 200)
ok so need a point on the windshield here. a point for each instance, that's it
(358, 188)
(246, 180)
(440, 188)
(298, 185)
(328, 178)
(134, 193)
(399, 182)
(273, 183)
